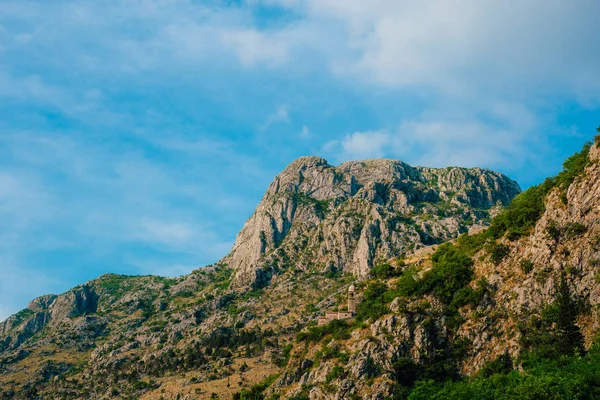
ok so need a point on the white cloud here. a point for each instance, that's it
(170, 233)
(305, 133)
(254, 47)
(360, 145)
(281, 115)
(458, 47)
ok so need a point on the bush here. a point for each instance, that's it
(523, 212)
(471, 244)
(553, 231)
(573, 167)
(569, 378)
(407, 284)
(452, 271)
(468, 295)
(526, 266)
(554, 333)
(526, 209)
(501, 365)
(256, 392)
(339, 329)
(336, 373)
(373, 305)
(498, 252)
(574, 230)
(384, 271)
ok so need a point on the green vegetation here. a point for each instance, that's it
(448, 280)
(374, 302)
(21, 316)
(338, 329)
(452, 271)
(567, 378)
(526, 209)
(256, 392)
(498, 252)
(384, 271)
(526, 266)
(336, 373)
(554, 364)
(522, 213)
(321, 207)
(574, 230)
(554, 333)
(519, 218)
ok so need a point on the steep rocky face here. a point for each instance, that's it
(346, 218)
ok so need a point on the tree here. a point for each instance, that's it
(570, 339)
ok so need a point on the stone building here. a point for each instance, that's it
(343, 315)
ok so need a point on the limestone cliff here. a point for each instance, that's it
(345, 218)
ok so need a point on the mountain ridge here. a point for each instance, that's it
(444, 310)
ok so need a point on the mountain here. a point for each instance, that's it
(346, 218)
(465, 288)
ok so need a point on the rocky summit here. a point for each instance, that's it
(369, 280)
(345, 218)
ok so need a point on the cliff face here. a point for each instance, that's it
(346, 218)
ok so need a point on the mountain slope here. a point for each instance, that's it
(525, 289)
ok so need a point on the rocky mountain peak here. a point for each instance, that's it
(343, 211)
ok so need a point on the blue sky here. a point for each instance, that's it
(137, 136)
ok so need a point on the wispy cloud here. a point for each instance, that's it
(281, 115)
(305, 133)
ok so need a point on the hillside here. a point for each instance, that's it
(455, 282)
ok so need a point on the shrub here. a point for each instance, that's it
(526, 209)
(501, 365)
(575, 229)
(526, 266)
(384, 271)
(573, 167)
(336, 373)
(522, 213)
(554, 333)
(468, 295)
(339, 329)
(452, 270)
(553, 231)
(569, 378)
(498, 252)
(407, 284)
(374, 303)
(256, 392)
(471, 244)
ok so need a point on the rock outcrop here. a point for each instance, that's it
(347, 217)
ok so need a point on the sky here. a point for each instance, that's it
(136, 136)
